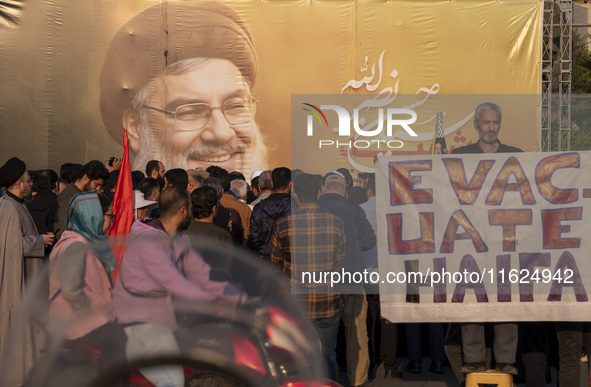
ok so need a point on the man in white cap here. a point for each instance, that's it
(141, 206)
(21, 253)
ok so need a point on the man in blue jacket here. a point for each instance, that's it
(267, 213)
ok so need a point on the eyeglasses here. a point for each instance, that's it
(111, 217)
(194, 116)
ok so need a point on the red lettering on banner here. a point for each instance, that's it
(468, 266)
(553, 227)
(512, 167)
(401, 183)
(544, 171)
(502, 277)
(567, 274)
(424, 244)
(509, 219)
(466, 192)
(459, 218)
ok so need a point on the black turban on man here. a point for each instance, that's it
(11, 171)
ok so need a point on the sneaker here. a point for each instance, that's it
(436, 367)
(470, 368)
(414, 367)
(506, 368)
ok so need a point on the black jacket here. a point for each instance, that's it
(263, 222)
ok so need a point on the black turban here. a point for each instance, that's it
(165, 34)
(11, 171)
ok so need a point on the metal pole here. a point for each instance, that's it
(565, 75)
(546, 86)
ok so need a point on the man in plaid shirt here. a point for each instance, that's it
(308, 246)
(360, 238)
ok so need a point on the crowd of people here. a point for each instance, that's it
(293, 221)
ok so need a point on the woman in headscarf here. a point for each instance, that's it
(79, 280)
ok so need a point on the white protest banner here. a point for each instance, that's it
(487, 237)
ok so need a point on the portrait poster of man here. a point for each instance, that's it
(200, 82)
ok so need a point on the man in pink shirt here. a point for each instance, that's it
(159, 269)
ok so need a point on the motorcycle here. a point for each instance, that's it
(263, 340)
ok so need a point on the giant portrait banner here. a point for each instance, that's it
(70, 71)
(487, 237)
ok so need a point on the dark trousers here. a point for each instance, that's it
(111, 340)
(383, 335)
(413, 342)
(533, 343)
(374, 328)
(572, 336)
(327, 329)
(389, 343)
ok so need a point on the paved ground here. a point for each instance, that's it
(427, 379)
(78, 374)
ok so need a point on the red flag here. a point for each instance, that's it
(122, 208)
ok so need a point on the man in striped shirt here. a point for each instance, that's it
(308, 247)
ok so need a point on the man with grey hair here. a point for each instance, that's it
(487, 122)
(226, 218)
(359, 237)
(194, 180)
(238, 188)
(265, 185)
(178, 77)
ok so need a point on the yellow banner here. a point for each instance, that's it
(70, 71)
